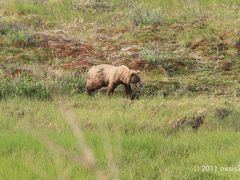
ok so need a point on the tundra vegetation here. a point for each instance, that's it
(185, 126)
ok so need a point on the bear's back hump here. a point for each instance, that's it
(101, 71)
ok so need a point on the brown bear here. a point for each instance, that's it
(110, 76)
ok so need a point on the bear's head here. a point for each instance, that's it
(134, 77)
(129, 76)
(136, 80)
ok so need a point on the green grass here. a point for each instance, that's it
(66, 12)
(139, 134)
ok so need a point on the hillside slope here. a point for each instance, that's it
(181, 48)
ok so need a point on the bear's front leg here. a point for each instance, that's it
(110, 89)
(128, 90)
(89, 92)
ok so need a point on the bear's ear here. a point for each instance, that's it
(133, 72)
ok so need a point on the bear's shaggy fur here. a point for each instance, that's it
(110, 76)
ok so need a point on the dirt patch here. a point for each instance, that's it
(82, 53)
(216, 47)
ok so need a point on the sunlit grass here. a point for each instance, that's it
(143, 144)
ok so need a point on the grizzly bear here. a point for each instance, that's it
(110, 76)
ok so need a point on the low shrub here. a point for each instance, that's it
(26, 85)
(151, 56)
(15, 34)
(68, 85)
(169, 62)
(92, 6)
(143, 16)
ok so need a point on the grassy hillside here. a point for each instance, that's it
(192, 47)
(186, 124)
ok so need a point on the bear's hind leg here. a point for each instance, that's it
(91, 87)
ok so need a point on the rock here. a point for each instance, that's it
(196, 42)
(226, 66)
(193, 122)
(221, 113)
(237, 44)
